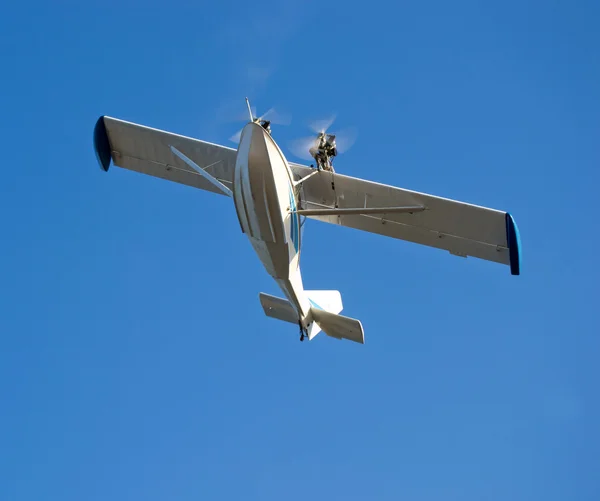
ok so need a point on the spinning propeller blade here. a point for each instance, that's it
(301, 147)
(236, 137)
(345, 139)
(321, 126)
(275, 117)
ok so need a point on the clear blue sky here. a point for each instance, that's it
(136, 361)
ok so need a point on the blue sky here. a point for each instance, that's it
(136, 361)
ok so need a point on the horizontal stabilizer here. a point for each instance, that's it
(339, 326)
(325, 306)
(278, 308)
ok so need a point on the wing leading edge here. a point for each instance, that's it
(462, 229)
(154, 152)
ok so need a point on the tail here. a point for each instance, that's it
(323, 316)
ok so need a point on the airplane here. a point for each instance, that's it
(273, 197)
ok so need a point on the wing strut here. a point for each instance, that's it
(218, 184)
(346, 211)
(300, 181)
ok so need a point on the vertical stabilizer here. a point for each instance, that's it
(330, 301)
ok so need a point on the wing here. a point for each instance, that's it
(460, 228)
(150, 151)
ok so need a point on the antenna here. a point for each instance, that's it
(249, 110)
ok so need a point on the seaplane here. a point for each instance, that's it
(273, 197)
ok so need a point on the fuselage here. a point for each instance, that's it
(266, 202)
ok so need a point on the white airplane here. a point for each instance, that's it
(271, 194)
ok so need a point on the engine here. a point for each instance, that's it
(324, 151)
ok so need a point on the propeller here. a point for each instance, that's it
(343, 139)
(272, 115)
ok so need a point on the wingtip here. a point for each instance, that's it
(514, 245)
(102, 144)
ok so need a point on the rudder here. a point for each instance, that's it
(330, 301)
